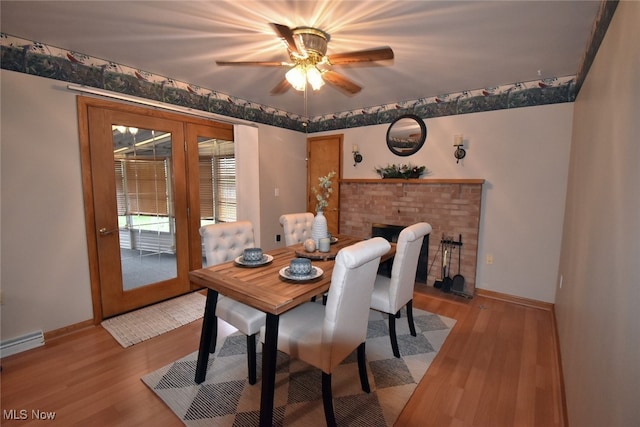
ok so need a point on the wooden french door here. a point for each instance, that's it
(141, 181)
(140, 205)
(324, 156)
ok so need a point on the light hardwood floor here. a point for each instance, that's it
(497, 368)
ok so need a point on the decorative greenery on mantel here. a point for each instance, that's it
(404, 171)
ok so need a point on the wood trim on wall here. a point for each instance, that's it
(412, 181)
(516, 300)
(57, 333)
(558, 372)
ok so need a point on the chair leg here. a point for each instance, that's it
(251, 358)
(362, 369)
(324, 298)
(208, 328)
(412, 326)
(392, 335)
(214, 336)
(327, 400)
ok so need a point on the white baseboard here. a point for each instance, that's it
(20, 344)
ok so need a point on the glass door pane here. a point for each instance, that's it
(217, 181)
(145, 203)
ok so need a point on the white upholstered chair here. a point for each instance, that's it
(390, 294)
(224, 242)
(297, 227)
(323, 336)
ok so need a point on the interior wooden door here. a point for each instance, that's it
(139, 201)
(324, 155)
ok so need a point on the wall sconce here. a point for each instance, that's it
(460, 152)
(357, 157)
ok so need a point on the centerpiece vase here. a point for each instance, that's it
(319, 227)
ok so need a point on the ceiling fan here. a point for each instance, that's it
(307, 48)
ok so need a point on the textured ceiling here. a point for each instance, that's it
(440, 47)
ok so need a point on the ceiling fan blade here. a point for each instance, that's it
(281, 87)
(341, 82)
(369, 55)
(258, 63)
(286, 34)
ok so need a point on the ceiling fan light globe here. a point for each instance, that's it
(296, 77)
(314, 77)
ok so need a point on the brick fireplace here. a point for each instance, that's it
(451, 206)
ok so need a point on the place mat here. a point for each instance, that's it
(140, 325)
(225, 398)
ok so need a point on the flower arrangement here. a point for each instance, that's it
(324, 190)
(401, 171)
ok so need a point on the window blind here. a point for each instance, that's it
(141, 186)
(224, 181)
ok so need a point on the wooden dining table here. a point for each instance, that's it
(265, 289)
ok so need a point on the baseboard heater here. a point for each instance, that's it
(20, 344)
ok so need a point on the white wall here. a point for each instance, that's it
(45, 273)
(247, 153)
(283, 167)
(597, 307)
(523, 155)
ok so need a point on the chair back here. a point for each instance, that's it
(347, 309)
(405, 264)
(297, 227)
(225, 241)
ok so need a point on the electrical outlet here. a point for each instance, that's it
(489, 259)
(277, 237)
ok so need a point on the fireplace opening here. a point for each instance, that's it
(391, 233)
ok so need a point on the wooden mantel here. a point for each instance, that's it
(411, 181)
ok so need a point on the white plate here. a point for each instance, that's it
(266, 259)
(315, 273)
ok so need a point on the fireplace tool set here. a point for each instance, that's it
(450, 284)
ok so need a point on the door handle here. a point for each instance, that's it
(105, 232)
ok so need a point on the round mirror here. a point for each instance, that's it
(406, 135)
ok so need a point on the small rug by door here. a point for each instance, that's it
(225, 398)
(140, 325)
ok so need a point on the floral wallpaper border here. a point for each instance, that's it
(39, 59)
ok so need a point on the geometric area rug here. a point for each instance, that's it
(140, 325)
(226, 398)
